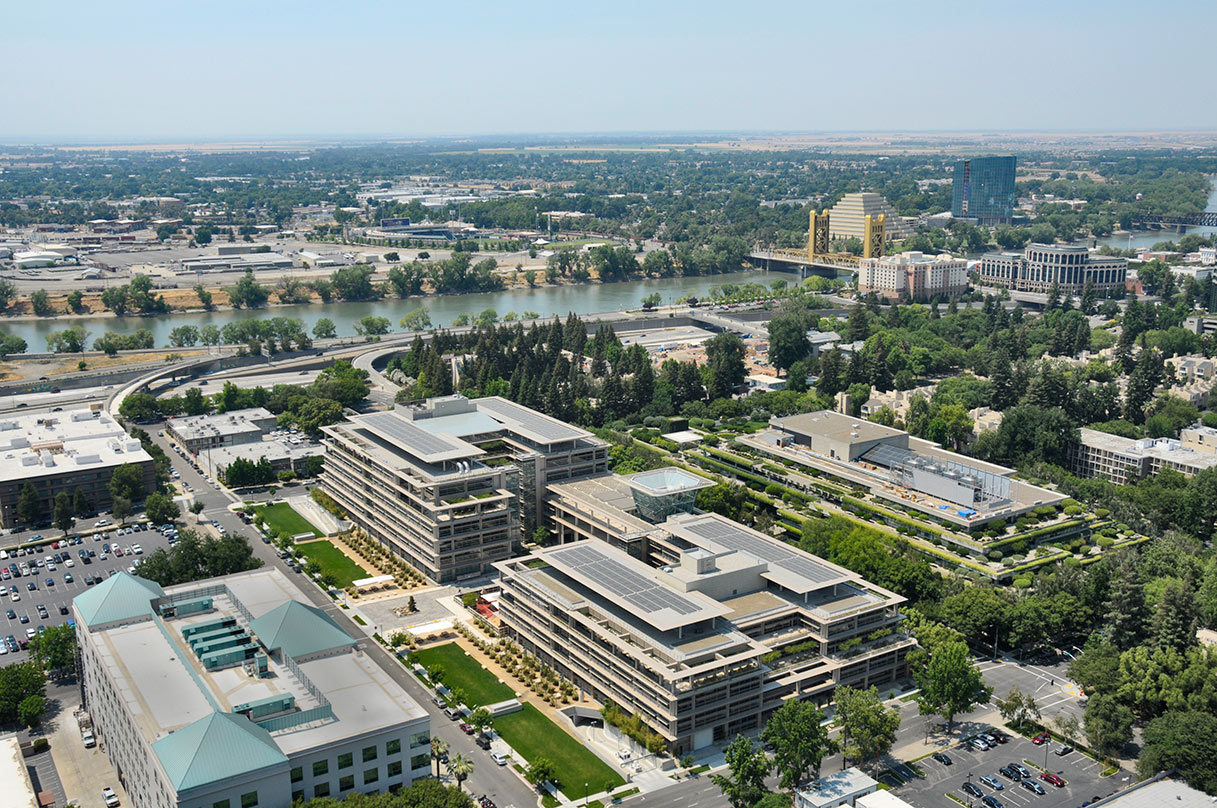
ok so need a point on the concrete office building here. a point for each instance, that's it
(914, 473)
(913, 275)
(449, 483)
(1039, 266)
(65, 451)
(1126, 460)
(281, 454)
(847, 219)
(697, 623)
(236, 693)
(983, 190)
(198, 433)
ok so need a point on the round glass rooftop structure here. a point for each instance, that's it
(659, 493)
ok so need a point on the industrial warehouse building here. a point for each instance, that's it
(698, 624)
(236, 692)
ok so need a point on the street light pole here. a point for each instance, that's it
(585, 795)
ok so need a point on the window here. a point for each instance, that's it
(369, 753)
(297, 774)
(420, 739)
(321, 790)
(394, 768)
(321, 768)
(346, 760)
(371, 776)
(346, 783)
(249, 800)
(393, 747)
(220, 804)
(419, 761)
(297, 796)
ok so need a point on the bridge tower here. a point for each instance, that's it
(817, 234)
(873, 241)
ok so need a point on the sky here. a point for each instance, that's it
(263, 69)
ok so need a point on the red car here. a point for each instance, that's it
(467, 728)
(1049, 777)
(1043, 737)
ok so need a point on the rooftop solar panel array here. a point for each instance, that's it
(529, 423)
(733, 537)
(644, 594)
(425, 445)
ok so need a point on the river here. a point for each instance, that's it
(1148, 238)
(581, 299)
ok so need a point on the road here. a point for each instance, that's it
(499, 784)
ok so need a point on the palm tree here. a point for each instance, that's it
(460, 767)
(439, 748)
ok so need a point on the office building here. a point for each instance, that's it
(1126, 460)
(847, 219)
(15, 782)
(65, 451)
(843, 788)
(449, 484)
(983, 190)
(237, 692)
(913, 275)
(913, 473)
(280, 453)
(198, 433)
(1039, 266)
(700, 625)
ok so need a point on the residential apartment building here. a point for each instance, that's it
(1039, 266)
(914, 275)
(198, 433)
(65, 452)
(983, 189)
(449, 484)
(1125, 460)
(699, 624)
(236, 692)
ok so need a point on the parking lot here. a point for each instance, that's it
(60, 593)
(1080, 773)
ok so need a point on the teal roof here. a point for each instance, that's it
(216, 747)
(119, 597)
(460, 425)
(299, 630)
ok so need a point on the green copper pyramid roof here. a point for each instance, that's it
(299, 630)
(216, 747)
(119, 597)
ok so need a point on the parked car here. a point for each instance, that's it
(109, 797)
(992, 782)
(1021, 769)
(468, 729)
(973, 789)
(978, 744)
(483, 742)
(89, 739)
(1031, 785)
(1064, 749)
(1010, 773)
(500, 760)
(1042, 738)
(1055, 779)
(991, 802)
(942, 758)
(998, 735)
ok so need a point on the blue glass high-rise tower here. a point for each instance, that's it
(984, 190)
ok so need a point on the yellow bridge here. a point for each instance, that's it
(818, 254)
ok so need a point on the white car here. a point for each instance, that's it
(135, 548)
(110, 798)
(69, 563)
(501, 760)
(89, 739)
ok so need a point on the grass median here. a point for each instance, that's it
(332, 562)
(282, 517)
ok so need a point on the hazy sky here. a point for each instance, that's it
(155, 70)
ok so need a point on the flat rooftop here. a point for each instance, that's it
(666, 481)
(608, 495)
(36, 445)
(236, 422)
(166, 687)
(836, 426)
(410, 438)
(530, 424)
(1166, 449)
(254, 451)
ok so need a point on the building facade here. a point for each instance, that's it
(219, 694)
(913, 275)
(65, 452)
(1038, 267)
(847, 219)
(697, 623)
(983, 189)
(198, 433)
(1126, 460)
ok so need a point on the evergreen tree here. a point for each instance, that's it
(64, 518)
(80, 505)
(29, 505)
(1174, 623)
(1126, 610)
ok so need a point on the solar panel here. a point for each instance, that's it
(734, 537)
(621, 582)
(425, 445)
(528, 422)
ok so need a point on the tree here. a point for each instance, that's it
(139, 407)
(161, 509)
(372, 326)
(8, 292)
(868, 728)
(40, 303)
(196, 508)
(480, 719)
(204, 296)
(951, 683)
(120, 509)
(1183, 740)
(1108, 724)
(70, 340)
(17, 682)
(1018, 707)
(787, 341)
(29, 504)
(55, 649)
(80, 503)
(324, 329)
(30, 710)
(248, 292)
(184, 336)
(10, 344)
(355, 283)
(744, 786)
(127, 481)
(724, 370)
(1126, 610)
(460, 767)
(439, 748)
(1174, 621)
(416, 320)
(542, 771)
(64, 516)
(799, 739)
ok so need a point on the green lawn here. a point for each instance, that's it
(463, 672)
(332, 561)
(534, 736)
(283, 517)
